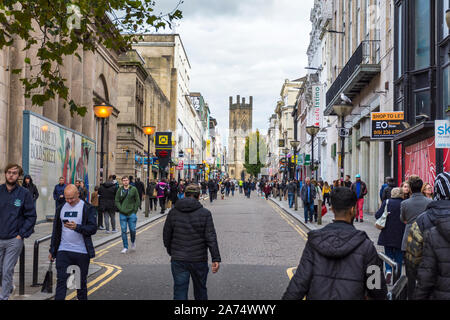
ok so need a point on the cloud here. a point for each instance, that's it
(246, 47)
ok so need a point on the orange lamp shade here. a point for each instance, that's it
(149, 130)
(44, 128)
(103, 111)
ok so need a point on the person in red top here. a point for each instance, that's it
(267, 190)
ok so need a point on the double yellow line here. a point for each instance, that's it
(291, 222)
(112, 271)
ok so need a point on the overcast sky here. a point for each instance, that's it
(243, 47)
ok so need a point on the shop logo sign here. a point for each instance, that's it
(442, 134)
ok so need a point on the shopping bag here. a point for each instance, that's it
(169, 204)
(324, 210)
(47, 286)
(381, 222)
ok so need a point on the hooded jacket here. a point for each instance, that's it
(31, 187)
(107, 195)
(433, 275)
(334, 266)
(436, 211)
(386, 193)
(189, 231)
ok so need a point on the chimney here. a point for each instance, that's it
(238, 99)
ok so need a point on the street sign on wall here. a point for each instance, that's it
(386, 125)
(317, 103)
(442, 134)
(281, 143)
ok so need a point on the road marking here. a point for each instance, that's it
(290, 222)
(290, 272)
(109, 267)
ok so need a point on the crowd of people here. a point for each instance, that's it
(415, 232)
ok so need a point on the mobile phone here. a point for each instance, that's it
(65, 221)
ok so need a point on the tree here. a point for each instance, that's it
(255, 153)
(60, 27)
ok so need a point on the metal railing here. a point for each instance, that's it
(398, 291)
(36, 259)
(366, 54)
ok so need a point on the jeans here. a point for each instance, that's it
(10, 251)
(232, 192)
(65, 259)
(131, 222)
(309, 211)
(248, 193)
(396, 255)
(182, 271)
(291, 199)
(240, 189)
(110, 214)
(326, 198)
(359, 208)
(180, 195)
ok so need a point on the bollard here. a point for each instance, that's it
(22, 272)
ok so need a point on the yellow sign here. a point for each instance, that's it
(172, 170)
(163, 140)
(388, 116)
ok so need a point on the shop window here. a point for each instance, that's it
(422, 34)
(422, 105)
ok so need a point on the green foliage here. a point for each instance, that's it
(252, 144)
(57, 31)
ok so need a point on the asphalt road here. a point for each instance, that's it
(259, 246)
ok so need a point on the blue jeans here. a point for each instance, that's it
(291, 199)
(396, 255)
(131, 222)
(182, 271)
(65, 259)
(232, 192)
(309, 211)
(180, 195)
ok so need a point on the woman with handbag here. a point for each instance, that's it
(152, 193)
(392, 232)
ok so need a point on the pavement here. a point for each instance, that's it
(44, 229)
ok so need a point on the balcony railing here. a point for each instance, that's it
(366, 55)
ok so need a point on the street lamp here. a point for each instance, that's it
(295, 144)
(102, 111)
(342, 110)
(148, 131)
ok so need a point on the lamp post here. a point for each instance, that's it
(294, 145)
(342, 110)
(312, 131)
(148, 131)
(286, 151)
(102, 111)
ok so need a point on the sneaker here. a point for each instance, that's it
(361, 220)
(114, 231)
(101, 228)
(124, 250)
(388, 277)
(133, 246)
(356, 219)
(107, 231)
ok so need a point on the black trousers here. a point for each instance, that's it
(153, 201)
(162, 204)
(65, 259)
(327, 198)
(99, 217)
(411, 274)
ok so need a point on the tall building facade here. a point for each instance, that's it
(240, 126)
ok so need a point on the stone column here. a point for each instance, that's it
(89, 63)
(372, 183)
(355, 154)
(64, 117)
(17, 102)
(77, 89)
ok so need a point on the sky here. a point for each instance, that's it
(243, 47)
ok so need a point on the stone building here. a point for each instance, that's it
(240, 126)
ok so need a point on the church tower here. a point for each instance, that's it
(241, 118)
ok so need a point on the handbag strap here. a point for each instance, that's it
(386, 207)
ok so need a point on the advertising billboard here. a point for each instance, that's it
(50, 151)
(386, 125)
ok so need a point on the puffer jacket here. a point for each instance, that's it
(334, 266)
(436, 211)
(433, 275)
(107, 195)
(189, 231)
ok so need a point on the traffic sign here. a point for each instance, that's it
(344, 132)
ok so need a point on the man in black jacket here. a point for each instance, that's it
(141, 190)
(212, 190)
(188, 233)
(339, 262)
(71, 245)
(106, 201)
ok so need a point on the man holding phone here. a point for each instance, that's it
(71, 245)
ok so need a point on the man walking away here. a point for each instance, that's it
(141, 190)
(17, 220)
(151, 194)
(292, 189)
(30, 186)
(385, 193)
(71, 245)
(127, 201)
(94, 203)
(188, 233)
(106, 203)
(436, 211)
(241, 185)
(58, 193)
(360, 189)
(211, 188)
(337, 259)
(308, 194)
(410, 209)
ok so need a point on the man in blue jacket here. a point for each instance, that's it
(58, 193)
(17, 220)
(71, 245)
